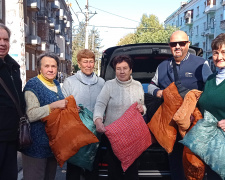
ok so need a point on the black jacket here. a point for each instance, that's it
(9, 118)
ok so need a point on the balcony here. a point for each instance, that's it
(222, 24)
(42, 47)
(68, 57)
(54, 48)
(223, 2)
(26, 30)
(189, 21)
(60, 13)
(43, 14)
(58, 28)
(52, 22)
(34, 40)
(55, 5)
(68, 42)
(34, 5)
(68, 24)
(210, 9)
(209, 31)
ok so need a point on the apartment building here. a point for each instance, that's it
(38, 26)
(202, 20)
(48, 27)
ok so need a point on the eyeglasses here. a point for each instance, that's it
(181, 43)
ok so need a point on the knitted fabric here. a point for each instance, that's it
(116, 97)
(212, 99)
(84, 89)
(40, 147)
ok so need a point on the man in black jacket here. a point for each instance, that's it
(9, 118)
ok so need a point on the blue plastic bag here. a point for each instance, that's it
(85, 157)
(207, 141)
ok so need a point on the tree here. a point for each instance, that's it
(94, 42)
(149, 31)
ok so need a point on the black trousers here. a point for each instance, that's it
(175, 161)
(8, 160)
(115, 170)
(74, 172)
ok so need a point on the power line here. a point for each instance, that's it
(75, 14)
(128, 27)
(114, 14)
(79, 6)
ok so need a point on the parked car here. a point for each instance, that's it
(153, 163)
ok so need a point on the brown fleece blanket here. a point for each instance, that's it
(66, 132)
(162, 125)
(174, 114)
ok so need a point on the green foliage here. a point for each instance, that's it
(149, 31)
(94, 43)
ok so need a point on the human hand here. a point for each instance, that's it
(140, 108)
(221, 124)
(78, 108)
(61, 104)
(159, 93)
(99, 126)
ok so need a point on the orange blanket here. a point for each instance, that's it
(174, 114)
(66, 132)
(161, 124)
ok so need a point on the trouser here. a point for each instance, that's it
(115, 170)
(8, 160)
(212, 175)
(39, 169)
(176, 161)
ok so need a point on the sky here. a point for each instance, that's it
(114, 19)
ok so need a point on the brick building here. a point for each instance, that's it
(38, 26)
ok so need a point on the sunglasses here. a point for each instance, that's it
(181, 43)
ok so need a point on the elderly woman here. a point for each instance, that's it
(42, 95)
(212, 99)
(116, 97)
(85, 86)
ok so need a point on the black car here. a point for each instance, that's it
(153, 163)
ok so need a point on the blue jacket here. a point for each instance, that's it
(190, 72)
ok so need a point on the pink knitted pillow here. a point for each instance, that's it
(129, 136)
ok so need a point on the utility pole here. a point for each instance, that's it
(87, 18)
(86, 26)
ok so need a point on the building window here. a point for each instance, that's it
(197, 13)
(223, 12)
(211, 2)
(196, 30)
(27, 61)
(33, 28)
(204, 25)
(181, 21)
(212, 23)
(33, 62)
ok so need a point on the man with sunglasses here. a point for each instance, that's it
(192, 71)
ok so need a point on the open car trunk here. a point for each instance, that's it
(153, 163)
